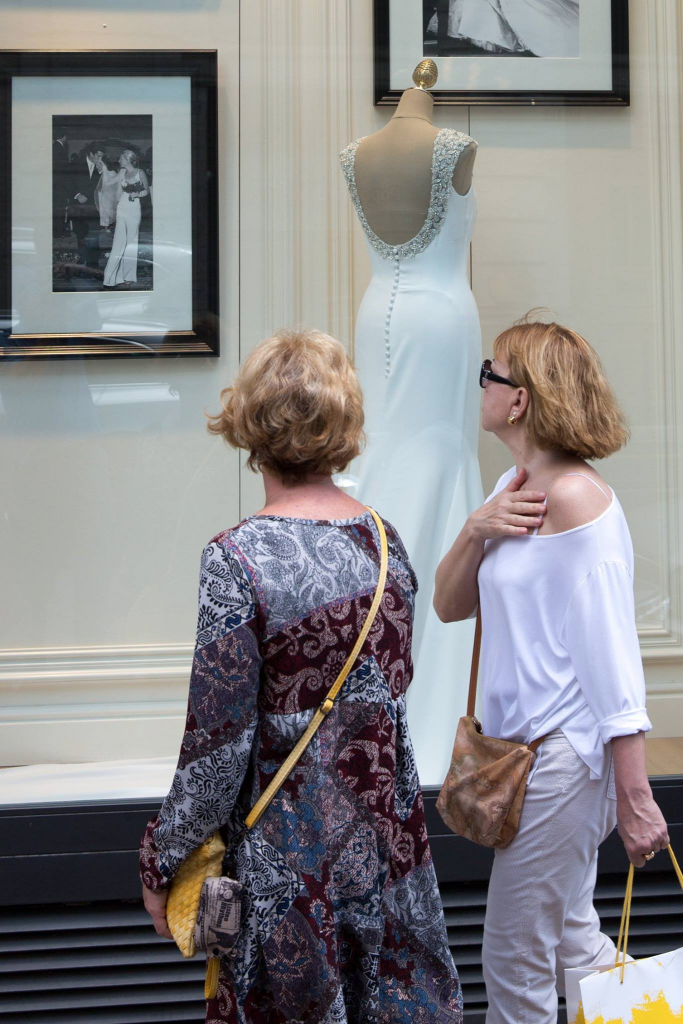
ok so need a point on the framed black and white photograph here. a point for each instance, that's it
(505, 52)
(102, 176)
(108, 203)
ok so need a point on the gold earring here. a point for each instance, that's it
(512, 420)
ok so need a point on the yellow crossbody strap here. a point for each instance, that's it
(327, 705)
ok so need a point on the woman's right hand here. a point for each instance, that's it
(510, 513)
(155, 905)
(642, 828)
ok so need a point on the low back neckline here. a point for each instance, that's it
(448, 145)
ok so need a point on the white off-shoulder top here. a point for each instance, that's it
(559, 645)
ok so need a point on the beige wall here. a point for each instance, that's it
(106, 509)
(579, 209)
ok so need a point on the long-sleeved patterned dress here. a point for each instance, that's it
(342, 920)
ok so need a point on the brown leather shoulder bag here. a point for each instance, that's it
(483, 794)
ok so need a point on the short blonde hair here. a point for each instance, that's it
(572, 407)
(132, 156)
(296, 406)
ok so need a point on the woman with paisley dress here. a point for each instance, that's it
(342, 918)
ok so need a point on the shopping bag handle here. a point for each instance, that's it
(626, 912)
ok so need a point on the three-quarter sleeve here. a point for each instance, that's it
(599, 634)
(221, 718)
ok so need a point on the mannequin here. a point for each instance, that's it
(394, 169)
(418, 354)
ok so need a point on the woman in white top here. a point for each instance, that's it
(550, 558)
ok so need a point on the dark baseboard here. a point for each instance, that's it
(77, 946)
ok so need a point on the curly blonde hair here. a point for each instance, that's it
(572, 407)
(296, 406)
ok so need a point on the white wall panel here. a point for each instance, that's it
(106, 507)
(295, 218)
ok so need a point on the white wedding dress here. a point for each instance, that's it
(546, 28)
(122, 265)
(418, 353)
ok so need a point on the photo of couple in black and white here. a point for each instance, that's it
(501, 28)
(102, 231)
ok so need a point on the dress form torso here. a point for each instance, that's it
(393, 169)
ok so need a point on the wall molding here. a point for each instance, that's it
(295, 217)
(665, 37)
(82, 666)
(92, 703)
(295, 214)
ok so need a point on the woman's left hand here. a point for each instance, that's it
(642, 828)
(155, 905)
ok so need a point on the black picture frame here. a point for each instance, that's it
(200, 66)
(617, 96)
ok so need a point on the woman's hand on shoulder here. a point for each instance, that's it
(510, 513)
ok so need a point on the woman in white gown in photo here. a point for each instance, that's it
(417, 352)
(544, 28)
(122, 265)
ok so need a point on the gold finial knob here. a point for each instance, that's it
(426, 74)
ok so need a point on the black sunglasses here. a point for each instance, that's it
(486, 373)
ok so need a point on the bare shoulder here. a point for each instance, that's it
(574, 501)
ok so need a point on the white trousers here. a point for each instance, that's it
(540, 916)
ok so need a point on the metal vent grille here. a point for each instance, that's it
(103, 962)
(464, 908)
(100, 962)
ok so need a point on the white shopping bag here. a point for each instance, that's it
(648, 991)
(651, 992)
(573, 976)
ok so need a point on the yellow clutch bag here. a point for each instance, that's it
(183, 900)
(182, 907)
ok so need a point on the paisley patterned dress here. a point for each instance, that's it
(342, 919)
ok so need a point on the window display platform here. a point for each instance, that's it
(98, 782)
(665, 756)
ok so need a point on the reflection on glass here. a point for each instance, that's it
(132, 394)
(652, 602)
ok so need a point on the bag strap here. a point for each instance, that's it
(474, 672)
(327, 705)
(626, 913)
(474, 675)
